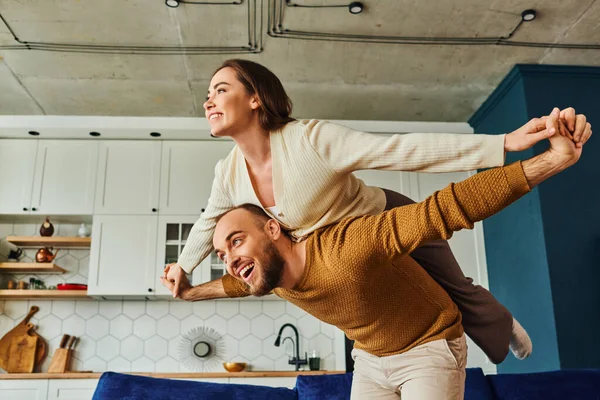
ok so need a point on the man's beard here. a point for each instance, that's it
(272, 270)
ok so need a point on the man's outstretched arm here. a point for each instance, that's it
(460, 205)
(216, 289)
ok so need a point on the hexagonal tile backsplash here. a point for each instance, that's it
(125, 340)
(144, 336)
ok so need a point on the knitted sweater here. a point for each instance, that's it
(313, 184)
(360, 277)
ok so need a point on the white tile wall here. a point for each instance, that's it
(144, 336)
(144, 343)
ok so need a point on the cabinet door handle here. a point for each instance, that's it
(202, 210)
(24, 208)
(154, 210)
(33, 209)
(150, 289)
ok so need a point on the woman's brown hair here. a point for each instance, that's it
(275, 105)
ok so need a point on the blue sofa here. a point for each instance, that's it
(571, 384)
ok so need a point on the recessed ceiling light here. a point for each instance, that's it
(34, 133)
(172, 3)
(155, 134)
(95, 134)
(356, 7)
(528, 15)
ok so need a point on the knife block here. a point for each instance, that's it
(61, 361)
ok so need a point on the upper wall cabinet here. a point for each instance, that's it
(17, 163)
(123, 255)
(48, 176)
(65, 177)
(128, 177)
(187, 174)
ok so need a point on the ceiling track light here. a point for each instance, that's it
(356, 7)
(528, 15)
(277, 29)
(253, 45)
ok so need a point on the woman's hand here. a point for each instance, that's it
(574, 127)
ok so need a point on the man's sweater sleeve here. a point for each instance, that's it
(233, 287)
(458, 206)
(347, 150)
(199, 241)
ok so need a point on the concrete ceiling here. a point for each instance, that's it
(327, 80)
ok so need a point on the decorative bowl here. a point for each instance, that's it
(234, 366)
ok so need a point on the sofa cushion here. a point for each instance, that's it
(477, 386)
(325, 387)
(114, 386)
(568, 384)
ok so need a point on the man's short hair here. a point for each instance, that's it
(258, 214)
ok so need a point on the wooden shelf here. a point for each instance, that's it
(46, 294)
(38, 268)
(50, 241)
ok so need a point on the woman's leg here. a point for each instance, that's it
(487, 322)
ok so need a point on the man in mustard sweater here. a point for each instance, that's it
(358, 276)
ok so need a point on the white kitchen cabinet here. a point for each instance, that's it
(187, 174)
(71, 389)
(24, 389)
(48, 177)
(65, 177)
(17, 163)
(123, 256)
(173, 232)
(128, 177)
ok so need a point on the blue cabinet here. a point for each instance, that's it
(543, 252)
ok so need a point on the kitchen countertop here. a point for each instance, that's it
(180, 375)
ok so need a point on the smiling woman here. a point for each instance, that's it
(237, 83)
(300, 172)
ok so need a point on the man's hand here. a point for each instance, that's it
(561, 154)
(574, 127)
(181, 288)
(577, 125)
(174, 275)
(564, 150)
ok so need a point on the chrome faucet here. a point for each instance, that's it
(296, 360)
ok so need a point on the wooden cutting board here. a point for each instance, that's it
(42, 349)
(18, 347)
(21, 354)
